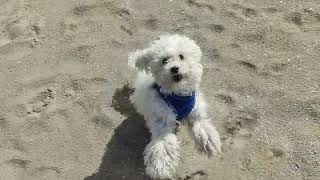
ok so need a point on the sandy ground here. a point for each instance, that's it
(64, 109)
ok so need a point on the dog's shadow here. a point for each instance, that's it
(123, 158)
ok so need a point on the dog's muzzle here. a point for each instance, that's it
(177, 77)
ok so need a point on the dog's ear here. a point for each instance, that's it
(140, 59)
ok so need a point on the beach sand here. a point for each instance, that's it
(65, 83)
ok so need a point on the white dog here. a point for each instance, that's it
(166, 93)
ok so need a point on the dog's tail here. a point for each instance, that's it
(140, 59)
(132, 60)
(143, 80)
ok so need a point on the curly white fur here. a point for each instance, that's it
(155, 65)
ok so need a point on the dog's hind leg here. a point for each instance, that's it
(161, 155)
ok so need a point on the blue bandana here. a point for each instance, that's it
(181, 105)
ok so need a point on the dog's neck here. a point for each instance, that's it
(165, 90)
(179, 91)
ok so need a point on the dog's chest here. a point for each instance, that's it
(182, 106)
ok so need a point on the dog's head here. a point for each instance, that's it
(174, 62)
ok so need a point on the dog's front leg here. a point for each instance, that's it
(204, 133)
(161, 155)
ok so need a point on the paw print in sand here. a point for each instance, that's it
(41, 101)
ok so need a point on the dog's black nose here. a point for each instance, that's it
(174, 69)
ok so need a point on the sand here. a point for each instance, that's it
(64, 87)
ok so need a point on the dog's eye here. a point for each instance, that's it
(181, 57)
(164, 60)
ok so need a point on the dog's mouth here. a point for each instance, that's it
(177, 77)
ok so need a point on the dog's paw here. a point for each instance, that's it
(161, 157)
(207, 137)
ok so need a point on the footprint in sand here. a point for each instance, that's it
(226, 98)
(20, 167)
(200, 5)
(103, 120)
(32, 105)
(9, 43)
(278, 67)
(269, 37)
(16, 28)
(274, 69)
(46, 171)
(248, 65)
(306, 20)
(218, 28)
(240, 120)
(86, 10)
(249, 12)
(13, 168)
(45, 107)
(183, 23)
(151, 23)
(116, 44)
(196, 175)
(79, 20)
(313, 15)
(82, 10)
(126, 30)
(21, 163)
(213, 54)
(40, 102)
(311, 108)
(9, 139)
(295, 18)
(80, 53)
(123, 13)
(272, 10)
(235, 46)
(119, 12)
(19, 37)
(246, 11)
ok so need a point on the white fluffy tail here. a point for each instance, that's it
(132, 60)
(143, 79)
(140, 59)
